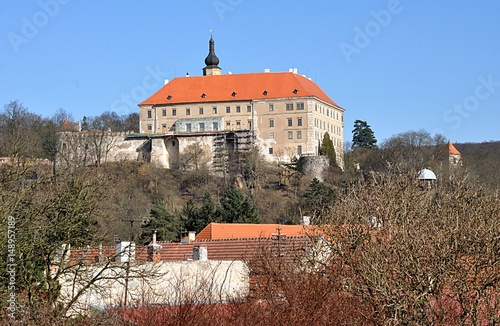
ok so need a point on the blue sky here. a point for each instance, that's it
(400, 65)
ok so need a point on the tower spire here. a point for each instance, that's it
(211, 61)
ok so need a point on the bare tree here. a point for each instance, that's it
(429, 257)
(411, 150)
(194, 156)
(18, 130)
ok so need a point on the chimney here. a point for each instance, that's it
(100, 258)
(78, 126)
(154, 250)
(188, 236)
(200, 253)
(125, 251)
(62, 253)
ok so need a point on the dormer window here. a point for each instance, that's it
(265, 93)
(203, 95)
(233, 94)
(169, 97)
(295, 91)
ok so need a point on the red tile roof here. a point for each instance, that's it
(244, 87)
(452, 150)
(226, 249)
(66, 126)
(235, 231)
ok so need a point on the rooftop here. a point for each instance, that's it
(237, 87)
(452, 150)
(237, 230)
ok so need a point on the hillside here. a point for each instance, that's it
(481, 161)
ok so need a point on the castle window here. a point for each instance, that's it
(150, 127)
(215, 126)
(188, 127)
(271, 123)
(289, 106)
(164, 112)
(174, 112)
(214, 110)
(249, 108)
(290, 135)
(228, 109)
(149, 114)
(300, 106)
(271, 107)
(271, 135)
(299, 122)
(202, 126)
(238, 109)
(271, 150)
(290, 123)
(238, 124)
(188, 111)
(299, 149)
(201, 111)
(299, 134)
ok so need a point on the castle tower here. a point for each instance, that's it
(454, 155)
(211, 61)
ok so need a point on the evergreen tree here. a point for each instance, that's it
(85, 123)
(197, 218)
(189, 215)
(167, 225)
(319, 198)
(207, 213)
(237, 208)
(363, 135)
(328, 149)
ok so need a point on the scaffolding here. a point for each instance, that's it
(231, 149)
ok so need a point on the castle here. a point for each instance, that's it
(218, 118)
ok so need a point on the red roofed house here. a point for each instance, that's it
(284, 113)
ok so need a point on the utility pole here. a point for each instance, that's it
(131, 221)
(127, 271)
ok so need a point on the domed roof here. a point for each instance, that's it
(211, 60)
(426, 174)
